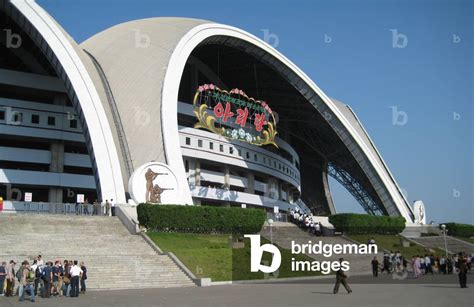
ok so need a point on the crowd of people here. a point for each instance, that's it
(61, 278)
(106, 208)
(306, 221)
(395, 262)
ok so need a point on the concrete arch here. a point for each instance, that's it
(170, 89)
(64, 55)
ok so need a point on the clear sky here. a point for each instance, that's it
(414, 99)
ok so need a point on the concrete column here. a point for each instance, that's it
(280, 187)
(55, 195)
(290, 195)
(57, 157)
(250, 188)
(272, 188)
(227, 177)
(192, 166)
(197, 173)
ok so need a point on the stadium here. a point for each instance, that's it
(181, 110)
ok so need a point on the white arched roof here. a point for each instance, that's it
(77, 79)
(144, 61)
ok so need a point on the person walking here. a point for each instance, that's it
(3, 277)
(107, 207)
(47, 277)
(341, 277)
(10, 278)
(375, 267)
(76, 274)
(67, 278)
(26, 282)
(83, 278)
(57, 272)
(112, 204)
(462, 271)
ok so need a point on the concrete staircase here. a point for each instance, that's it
(284, 233)
(454, 245)
(115, 258)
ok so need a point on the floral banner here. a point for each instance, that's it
(234, 115)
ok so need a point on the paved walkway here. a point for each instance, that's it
(305, 294)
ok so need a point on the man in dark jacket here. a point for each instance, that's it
(47, 277)
(83, 277)
(375, 267)
(462, 270)
(341, 279)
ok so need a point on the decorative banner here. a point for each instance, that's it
(234, 115)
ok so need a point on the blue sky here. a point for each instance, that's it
(346, 47)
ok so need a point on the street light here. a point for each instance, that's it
(270, 222)
(444, 230)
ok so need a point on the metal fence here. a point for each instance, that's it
(55, 208)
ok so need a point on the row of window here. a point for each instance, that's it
(18, 118)
(247, 155)
(189, 121)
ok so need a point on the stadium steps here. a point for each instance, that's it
(454, 245)
(287, 232)
(115, 258)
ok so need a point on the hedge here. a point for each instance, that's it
(352, 223)
(461, 230)
(200, 219)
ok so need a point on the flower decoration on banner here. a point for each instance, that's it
(234, 115)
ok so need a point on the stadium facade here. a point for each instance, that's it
(216, 114)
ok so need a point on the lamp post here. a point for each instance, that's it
(444, 230)
(270, 222)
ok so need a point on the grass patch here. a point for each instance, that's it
(393, 243)
(210, 255)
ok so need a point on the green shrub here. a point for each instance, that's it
(200, 219)
(461, 230)
(352, 223)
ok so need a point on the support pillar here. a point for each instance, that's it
(250, 188)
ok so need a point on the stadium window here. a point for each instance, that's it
(221, 148)
(186, 165)
(211, 146)
(199, 143)
(231, 150)
(51, 121)
(188, 141)
(2, 115)
(73, 123)
(248, 155)
(264, 160)
(240, 153)
(255, 157)
(35, 119)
